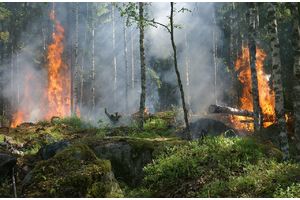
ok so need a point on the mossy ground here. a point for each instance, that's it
(213, 167)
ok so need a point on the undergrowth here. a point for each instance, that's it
(220, 167)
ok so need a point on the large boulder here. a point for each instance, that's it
(128, 156)
(7, 162)
(127, 162)
(73, 172)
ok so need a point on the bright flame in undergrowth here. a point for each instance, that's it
(58, 92)
(56, 101)
(266, 95)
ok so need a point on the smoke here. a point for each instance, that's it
(194, 44)
(194, 41)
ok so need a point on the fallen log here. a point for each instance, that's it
(229, 110)
(234, 111)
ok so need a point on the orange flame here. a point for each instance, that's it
(58, 93)
(56, 101)
(266, 95)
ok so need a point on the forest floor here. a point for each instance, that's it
(71, 158)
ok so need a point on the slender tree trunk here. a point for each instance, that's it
(18, 74)
(114, 51)
(83, 61)
(214, 50)
(234, 99)
(12, 82)
(93, 64)
(75, 80)
(277, 80)
(185, 111)
(187, 73)
(126, 67)
(252, 50)
(143, 65)
(296, 74)
(132, 60)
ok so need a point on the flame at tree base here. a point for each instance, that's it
(266, 94)
(56, 96)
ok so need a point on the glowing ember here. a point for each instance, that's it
(17, 119)
(266, 95)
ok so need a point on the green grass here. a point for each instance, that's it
(220, 167)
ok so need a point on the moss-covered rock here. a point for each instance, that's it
(129, 155)
(73, 172)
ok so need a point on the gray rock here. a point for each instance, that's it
(127, 161)
(50, 150)
(205, 126)
(7, 162)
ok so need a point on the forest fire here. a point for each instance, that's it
(266, 94)
(58, 92)
(56, 99)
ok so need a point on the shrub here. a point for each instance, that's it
(74, 122)
(220, 167)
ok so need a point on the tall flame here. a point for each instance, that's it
(58, 93)
(56, 101)
(266, 94)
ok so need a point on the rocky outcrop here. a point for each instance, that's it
(128, 156)
(127, 161)
(73, 172)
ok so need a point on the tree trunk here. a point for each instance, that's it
(75, 80)
(296, 74)
(214, 51)
(229, 110)
(83, 61)
(277, 80)
(114, 51)
(18, 74)
(252, 51)
(132, 60)
(185, 111)
(12, 82)
(93, 64)
(232, 57)
(126, 67)
(187, 73)
(143, 65)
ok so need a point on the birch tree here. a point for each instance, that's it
(252, 50)
(277, 79)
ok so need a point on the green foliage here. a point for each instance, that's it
(4, 12)
(74, 122)
(4, 36)
(154, 76)
(292, 191)
(220, 167)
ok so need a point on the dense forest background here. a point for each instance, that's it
(103, 51)
(149, 99)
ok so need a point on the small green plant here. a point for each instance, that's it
(292, 191)
(74, 122)
(221, 167)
